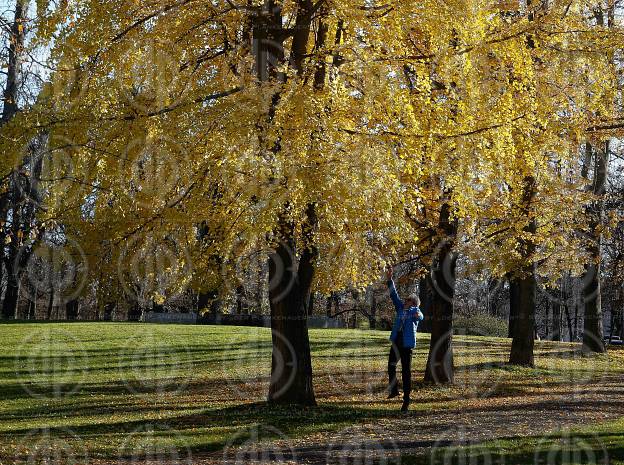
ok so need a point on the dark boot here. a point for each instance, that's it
(405, 406)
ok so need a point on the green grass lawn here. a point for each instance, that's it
(114, 392)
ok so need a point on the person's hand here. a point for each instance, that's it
(389, 273)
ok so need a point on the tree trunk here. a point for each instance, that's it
(525, 280)
(372, 319)
(514, 299)
(71, 310)
(440, 369)
(11, 296)
(593, 331)
(291, 366)
(556, 317)
(425, 292)
(524, 327)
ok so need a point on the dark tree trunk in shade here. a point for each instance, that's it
(514, 298)
(11, 296)
(593, 331)
(71, 309)
(525, 279)
(524, 328)
(425, 292)
(372, 318)
(440, 369)
(291, 366)
(555, 333)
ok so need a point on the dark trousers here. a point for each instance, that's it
(405, 355)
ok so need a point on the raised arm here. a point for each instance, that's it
(398, 303)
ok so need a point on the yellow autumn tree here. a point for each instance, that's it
(316, 132)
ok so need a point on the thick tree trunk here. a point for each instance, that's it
(593, 331)
(71, 310)
(525, 280)
(11, 297)
(440, 369)
(524, 326)
(291, 366)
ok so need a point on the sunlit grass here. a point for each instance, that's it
(118, 390)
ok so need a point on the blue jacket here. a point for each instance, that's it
(408, 318)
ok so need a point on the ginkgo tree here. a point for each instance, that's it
(317, 132)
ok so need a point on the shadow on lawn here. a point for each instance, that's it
(569, 448)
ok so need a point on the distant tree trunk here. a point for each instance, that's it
(569, 321)
(440, 369)
(50, 303)
(372, 319)
(71, 309)
(10, 108)
(134, 311)
(524, 327)
(109, 308)
(556, 316)
(241, 304)
(11, 296)
(203, 299)
(32, 308)
(593, 331)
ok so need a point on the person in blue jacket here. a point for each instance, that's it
(403, 338)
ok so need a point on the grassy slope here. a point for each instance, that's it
(110, 390)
